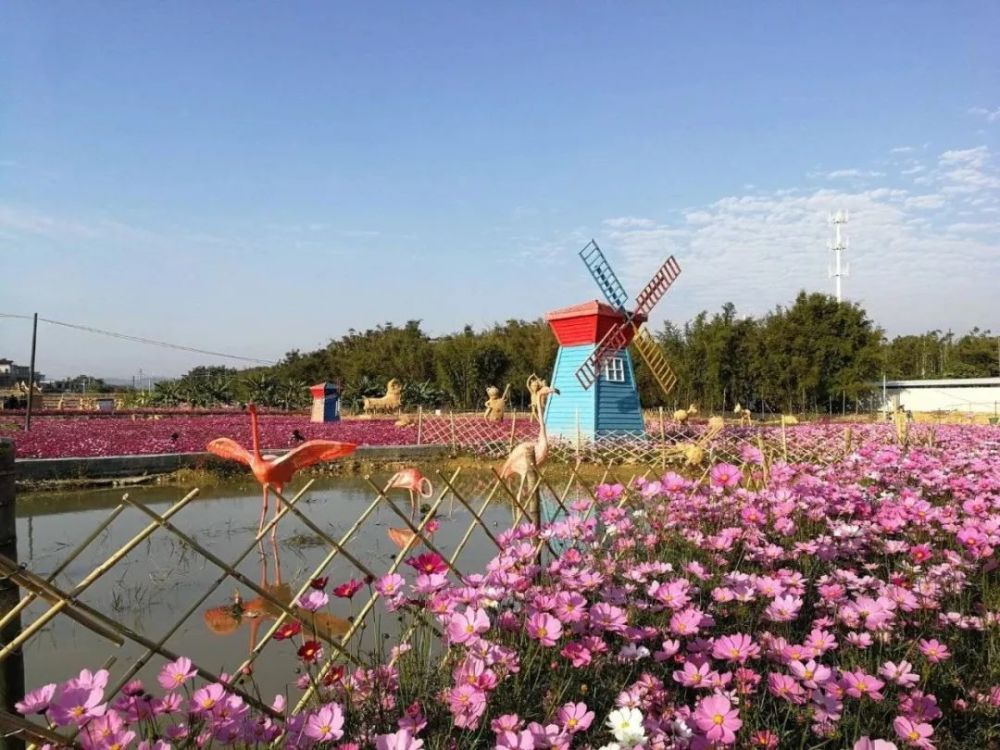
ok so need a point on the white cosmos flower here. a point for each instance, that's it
(682, 730)
(632, 652)
(610, 746)
(626, 725)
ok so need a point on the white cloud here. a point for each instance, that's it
(991, 115)
(919, 258)
(901, 150)
(838, 174)
(629, 222)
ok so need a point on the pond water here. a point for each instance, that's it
(158, 581)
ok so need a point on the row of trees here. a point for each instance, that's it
(814, 355)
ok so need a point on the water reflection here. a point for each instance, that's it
(226, 619)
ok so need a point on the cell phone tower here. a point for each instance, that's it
(838, 245)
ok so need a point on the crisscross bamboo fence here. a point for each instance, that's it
(44, 598)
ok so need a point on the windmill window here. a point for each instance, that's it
(614, 370)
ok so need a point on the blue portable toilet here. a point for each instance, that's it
(326, 402)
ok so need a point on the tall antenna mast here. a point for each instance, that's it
(838, 246)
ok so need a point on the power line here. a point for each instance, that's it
(141, 340)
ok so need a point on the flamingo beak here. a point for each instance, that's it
(556, 391)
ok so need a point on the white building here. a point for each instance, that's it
(977, 395)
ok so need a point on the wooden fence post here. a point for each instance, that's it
(454, 442)
(12, 668)
(578, 436)
(663, 443)
(513, 429)
(784, 440)
(420, 422)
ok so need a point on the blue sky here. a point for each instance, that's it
(254, 178)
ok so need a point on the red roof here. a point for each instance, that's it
(586, 323)
(593, 307)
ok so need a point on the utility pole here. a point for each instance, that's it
(31, 372)
(838, 246)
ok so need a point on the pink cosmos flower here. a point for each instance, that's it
(207, 698)
(810, 674)
(77, 706)
(313, 600)
(915, 735)
(783, 609)
(37, 701)
(578, 654)
(717, 719)
(401, 740)
(686, 622)
(515, 740)
(672, 594)
(784, 686)
(574, 717)
(857, 684)
(693, 676)
(468, 625)
(390, 585)
(326, 724)
(725, 475)
(506, 723)
(570, 606)
(544, 628)
(91, 680)
(604, 616)
(467, 704)
(736, 648)
(866, 743)
(934, 650)
(176, 673)
(901, 674)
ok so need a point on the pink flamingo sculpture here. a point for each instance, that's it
(276, 472)
(529, 455)
(416, 484)
(526, 457)
(413, 482)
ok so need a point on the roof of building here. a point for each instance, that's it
(944, 383)
(6, 361)
(593, 307)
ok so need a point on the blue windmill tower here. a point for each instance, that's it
(593, 370)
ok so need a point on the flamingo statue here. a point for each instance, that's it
(273, 471)
(416, 484)
(413, 482)
(529, 455)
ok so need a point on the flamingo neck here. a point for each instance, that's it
(255, 434)
(543, 436)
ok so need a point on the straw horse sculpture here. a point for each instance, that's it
(391, 401)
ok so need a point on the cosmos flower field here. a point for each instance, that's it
(843, 604)
(60, 437)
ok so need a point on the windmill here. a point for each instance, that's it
(594, 371)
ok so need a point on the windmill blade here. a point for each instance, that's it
(653, 291)
(600, 269)
(652, 355)
(614, 341)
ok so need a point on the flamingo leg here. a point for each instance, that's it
(413, 505)
(263, 511)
